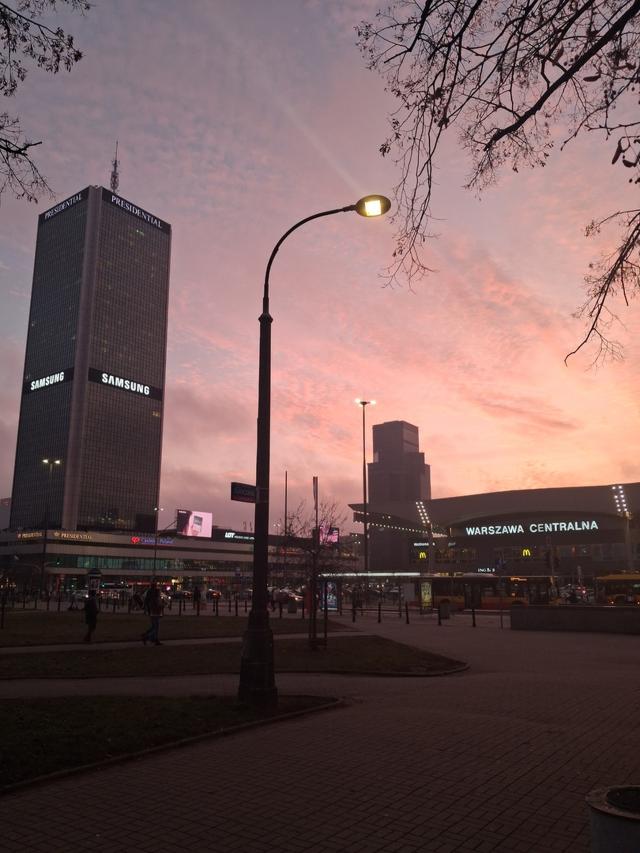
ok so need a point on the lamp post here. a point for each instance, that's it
(257, 681)
(365, 519)
(51, 463)
(156, 509)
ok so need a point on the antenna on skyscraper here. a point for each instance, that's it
(115, 177)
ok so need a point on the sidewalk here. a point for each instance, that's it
(496, 760)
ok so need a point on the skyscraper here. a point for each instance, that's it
(398, 472)
(94, 372)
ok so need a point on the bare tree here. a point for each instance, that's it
(25, 39)
(325, 555)
(514, 78)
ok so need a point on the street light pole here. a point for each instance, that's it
(156, 509)
(51, 463)
(257, 680)
(365, 519)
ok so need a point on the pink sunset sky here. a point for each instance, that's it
(234, 121)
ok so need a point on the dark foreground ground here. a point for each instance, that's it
(498, 758)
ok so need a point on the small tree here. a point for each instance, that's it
(24, 40)
(510, 76)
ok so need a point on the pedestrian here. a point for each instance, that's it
(196, 596)
(90, 615)
(153, 608)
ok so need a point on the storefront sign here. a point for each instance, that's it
(532, 527)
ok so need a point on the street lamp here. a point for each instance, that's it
(257, 681)
(156, 509)
(51, 463)
(364, 404)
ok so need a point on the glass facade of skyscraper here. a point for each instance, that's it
(94, 367)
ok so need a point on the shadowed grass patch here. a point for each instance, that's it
(353, 655)
(43, 736)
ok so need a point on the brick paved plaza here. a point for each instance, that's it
(499, 758)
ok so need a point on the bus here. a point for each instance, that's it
(620, 590)
(486, 592)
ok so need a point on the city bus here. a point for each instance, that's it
(487, 592)
(619, 589)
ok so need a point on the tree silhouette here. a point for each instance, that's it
(511, 76)
(25, 40)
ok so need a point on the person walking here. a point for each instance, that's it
(90, 615)
(153, 608)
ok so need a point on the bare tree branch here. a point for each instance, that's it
(509, 75)
(26, 39)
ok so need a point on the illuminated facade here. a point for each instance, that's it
(569, 532)
(94, 372)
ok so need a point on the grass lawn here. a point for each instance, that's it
(344, 655)
(41, 736)
(36, 628)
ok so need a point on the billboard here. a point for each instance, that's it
(329, 535)
(193, 522)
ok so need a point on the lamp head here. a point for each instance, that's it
(373, 205)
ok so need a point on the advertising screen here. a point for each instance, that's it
(329, 535)
(192, 522)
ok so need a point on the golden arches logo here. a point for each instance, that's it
(526, 552)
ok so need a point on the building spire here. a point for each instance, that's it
(115, 177)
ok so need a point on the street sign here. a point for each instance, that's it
(243, 492)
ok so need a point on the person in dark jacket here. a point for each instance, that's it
(90, 615)
(153, 607)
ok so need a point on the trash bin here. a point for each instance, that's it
(445, 611)
(615, 819)
(292, 606)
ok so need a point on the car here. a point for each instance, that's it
(213, 594)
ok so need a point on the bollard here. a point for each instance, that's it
(406, 611)
(4, 601)
(439, 616)
(353, 612)
(236, 605)
(229, 602)
(24, 600)
(198, 607)
(59, 600)
(180, 607)
(302, 608)
(473, 616)
(35, 601)
(217, 607)
(379, 611)
(245, 605)
(280, 609)
(115, 602)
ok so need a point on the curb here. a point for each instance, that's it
(330, 705)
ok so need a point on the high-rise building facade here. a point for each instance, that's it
(93, 384)
(398, 472)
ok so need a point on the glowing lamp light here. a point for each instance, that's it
(373, 205)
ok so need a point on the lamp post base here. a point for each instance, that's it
(257, 682)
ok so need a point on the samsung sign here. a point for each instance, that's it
(47, 381)
(125, 383)
(533, 527)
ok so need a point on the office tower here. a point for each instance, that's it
(398, 472)
(93, 383)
